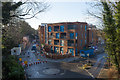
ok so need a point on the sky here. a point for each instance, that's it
(64, 12)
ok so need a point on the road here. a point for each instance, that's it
(52, 69)
(58, 69)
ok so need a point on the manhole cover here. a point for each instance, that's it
(51, 71)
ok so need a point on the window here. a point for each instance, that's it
(62, 28)
(71, 35)
(61, 50)
(51, 48)
(49, 41)
(56, 42)
(85, 27)
(56, 28)
(76, 35)
(56, 49)
(49, 28)
(82, 35)
(63, 35)
(70, 42)
(85, 42)
(71, 50)
(61, 42)
(57, 35)
(81, 43)
(81, 26)
(92, 36)
(85, 35)
(71, 26)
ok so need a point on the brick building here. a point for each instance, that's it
(92, 36)
(66, 37)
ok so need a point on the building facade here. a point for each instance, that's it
(64, 38)
(92, 36)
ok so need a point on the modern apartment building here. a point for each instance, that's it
(66, 37)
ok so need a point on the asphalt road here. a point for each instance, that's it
(52, 69)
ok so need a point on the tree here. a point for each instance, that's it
(112, 28)
(11, 69)
(21, 10)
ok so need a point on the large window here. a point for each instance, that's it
(56, 49)
(71, 50)
(56, 42)
(71, 35)
(61, 50)
(49, 29)
(56, 28)
(70, 42)
(61, 42)
(62, 28)
(57, 35)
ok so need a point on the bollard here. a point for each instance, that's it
(40, 61)
(29, 64)
(36, 62)
(43, 61)
(46, 61)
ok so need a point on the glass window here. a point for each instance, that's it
(61, 42)
(49, 28)
(56, 28)
(92, 36)
(85, 27)
(85, 35)
(56, 49)
(71, 35)
(81, 43)
(57, 35)
(61, 50)
(49, 41)
(71, 50)
(85, 42)
(81, 26)
(76, 35)
(62, 28)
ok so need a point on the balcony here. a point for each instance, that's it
(56, 42)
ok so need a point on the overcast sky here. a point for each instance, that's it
(64, 12)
